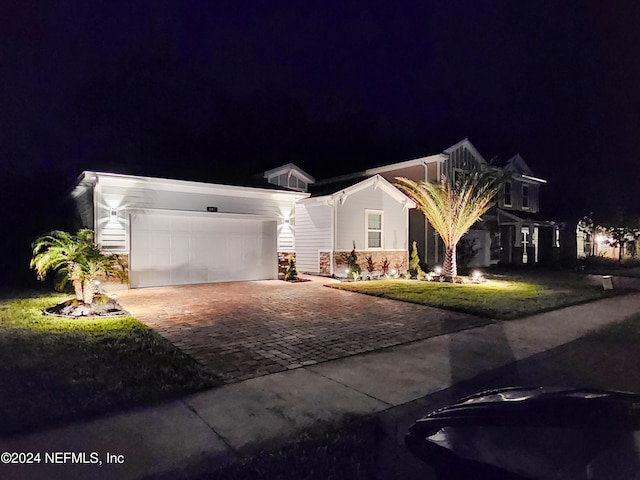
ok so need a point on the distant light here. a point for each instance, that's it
(438, 270)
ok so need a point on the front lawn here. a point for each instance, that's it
(503, 298)
(55, 370)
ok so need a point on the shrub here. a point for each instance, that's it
(292, 272)
(414, 263)
(385, 266)
(352, 263)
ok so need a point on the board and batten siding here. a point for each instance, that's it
(350, 222)
(127, 197)
(313, 234)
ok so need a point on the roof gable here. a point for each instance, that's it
(465, 143)
(290, 168)
(516, 164)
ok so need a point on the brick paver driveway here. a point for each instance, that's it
(242, 330)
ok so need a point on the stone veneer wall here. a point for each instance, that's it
(398, 259)
(283, 261)
(325, 262)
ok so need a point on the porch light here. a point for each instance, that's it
(346, 270)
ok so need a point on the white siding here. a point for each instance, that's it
(129, 196)
(313, 234)
(351, 220)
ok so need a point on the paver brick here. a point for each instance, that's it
(247, 329)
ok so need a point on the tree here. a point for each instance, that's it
(352, 263)
(75, 258)
(453, 208)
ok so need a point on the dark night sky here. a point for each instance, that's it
(209, 88)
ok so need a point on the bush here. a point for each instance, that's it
(414, 263)
(292, 272)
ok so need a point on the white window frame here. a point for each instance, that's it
(528, 196)
(367, 212)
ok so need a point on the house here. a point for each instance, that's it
(175, 232)
(370, 214)
(512, 232)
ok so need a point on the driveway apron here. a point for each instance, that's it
(243, 330)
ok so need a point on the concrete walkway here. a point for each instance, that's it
(213, 425)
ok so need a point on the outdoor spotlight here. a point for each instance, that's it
(476, 275)
(346, 270)
(96, 282)
(393, 271)
(113, 297)
(438, 270)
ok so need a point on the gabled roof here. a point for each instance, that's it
(289, 167)
(469, 146)
(341, 190)
(517, 165)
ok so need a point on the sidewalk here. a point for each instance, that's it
(215, 424)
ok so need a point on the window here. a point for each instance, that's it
(374, 229)
(525, 196)
(507, 194)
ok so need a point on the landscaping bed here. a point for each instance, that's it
(55, 370)
(502, 297)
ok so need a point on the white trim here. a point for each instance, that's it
(438, 157)
(200, 213)
(116, 179)
(367, 212)
(533, 179)
(376, 180)
(288, 168)
(528, 206)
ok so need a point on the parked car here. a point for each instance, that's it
(533, 433)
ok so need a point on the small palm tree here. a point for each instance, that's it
(75, 258)
(452, 209)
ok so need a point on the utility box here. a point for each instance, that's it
(607, 282)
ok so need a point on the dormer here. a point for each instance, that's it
(290, 176)
(463, 158)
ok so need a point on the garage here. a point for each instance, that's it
(180, 248)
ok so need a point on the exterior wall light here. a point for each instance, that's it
(113, 212)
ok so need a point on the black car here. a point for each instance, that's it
(533, 433)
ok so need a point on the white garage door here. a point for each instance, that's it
(178, 249)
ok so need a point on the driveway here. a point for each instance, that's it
(242, 330)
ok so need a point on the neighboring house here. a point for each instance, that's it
(607, 242)
(371, 213)
(176, 232)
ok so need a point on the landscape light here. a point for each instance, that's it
(438, 270)
(476, 275)
(113, 297)
(96, 282)
(346, 270)
(393, 271)
(600, 238)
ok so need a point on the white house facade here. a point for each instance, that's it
(175, 232)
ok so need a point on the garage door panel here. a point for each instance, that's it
(167, 249)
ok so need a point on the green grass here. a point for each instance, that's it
(54, 370)
(619, 272)
(503, 298)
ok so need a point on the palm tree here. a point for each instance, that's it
(453, 208)
(74, 258)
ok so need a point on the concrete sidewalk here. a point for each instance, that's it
(215, 424)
